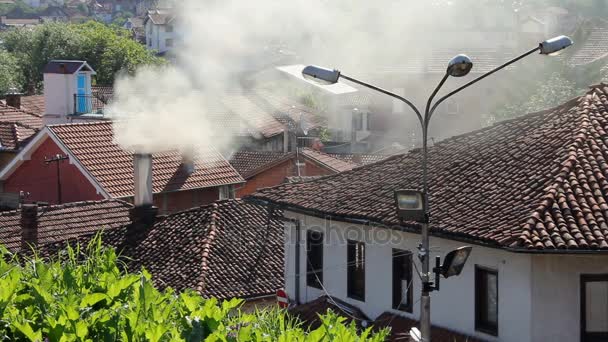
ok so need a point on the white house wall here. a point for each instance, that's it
(59, 90)
(556, 294)
(452, 307)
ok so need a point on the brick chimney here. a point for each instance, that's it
(143, 215)
(13, 98)
(29, 225)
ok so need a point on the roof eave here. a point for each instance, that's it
(410, 229)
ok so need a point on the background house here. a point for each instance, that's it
(528, 193)
(160, 30)
(97, 168)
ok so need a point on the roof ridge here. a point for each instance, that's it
(570, 161)
(81, 124)
(207, 242)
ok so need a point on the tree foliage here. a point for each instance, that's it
(10, 72)
(109, 50)
(85, 296)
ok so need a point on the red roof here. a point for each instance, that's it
(224, 250)
(32, 104)
(14, 135)
(359, 158)
(327, 160)
(65, 221)
(112, 167)
(11, 114)
(534, 182)
(249, 163)
(594, 47)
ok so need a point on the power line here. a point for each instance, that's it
(56, 159)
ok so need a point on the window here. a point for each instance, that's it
(226, 192)
(402, 277)
(149, 42)
(314, 254)
(169, 28)
(168, 42)
(486, 300)
(356, 270)
(594, 307)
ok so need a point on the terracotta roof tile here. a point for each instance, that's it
(92, 144)
(224, 250)
(328, 161)
(13, 135)
(249, 163)
(534, 182)
(593, 48)
(32, 104)
(10, 114)
(256, 118)
(360, 158)
(65, 221)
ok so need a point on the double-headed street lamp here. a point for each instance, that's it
(457, 67)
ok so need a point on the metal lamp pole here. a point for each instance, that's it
(458, 66)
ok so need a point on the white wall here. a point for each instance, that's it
(158, 36)
(59, 90)
(452, 307)
(558, 277)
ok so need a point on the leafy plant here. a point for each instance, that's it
(83, 295)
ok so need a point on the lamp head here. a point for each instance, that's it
(555, 46)
(321, 75)
(410, 205)
(454, 261)
(459, 66)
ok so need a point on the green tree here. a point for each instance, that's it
(10, 73)
(109, 50)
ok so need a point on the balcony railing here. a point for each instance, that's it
(87, 104)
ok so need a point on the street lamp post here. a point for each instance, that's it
(457, 67)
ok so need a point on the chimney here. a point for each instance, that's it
(188, 161)
(13, 98)
(142, 167)
(29, 225)
(143, 215)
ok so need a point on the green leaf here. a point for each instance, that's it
(26, 329)
(92, 299)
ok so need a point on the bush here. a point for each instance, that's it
(83, 295)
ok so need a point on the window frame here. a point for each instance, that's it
(313, 273)
(351, 278)
(406, 256)
(584, 279)
(480, 324)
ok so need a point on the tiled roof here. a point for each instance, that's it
(534, 182)
(103, 93)
(32, 103)
(64, 67)
(255, 117)
(359, 159)
(288, 111)
(160, 16)
(400, 328)
(224, 250)
(309, 312)
(300, 179)
(326, 160)
(10, 114)
(249, 163)
(65, 221)
(92, 144)
(593, 48)
(14, 135)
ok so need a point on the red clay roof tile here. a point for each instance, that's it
(92, 144)
(534, 182)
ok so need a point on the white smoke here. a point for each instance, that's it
(220, 40)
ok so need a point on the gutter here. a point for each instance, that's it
(433, 232)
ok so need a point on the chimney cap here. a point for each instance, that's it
(13, 91)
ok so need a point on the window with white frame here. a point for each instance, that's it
(226, 192)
